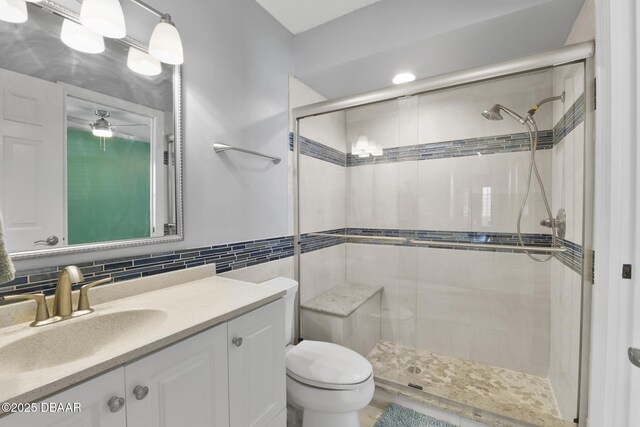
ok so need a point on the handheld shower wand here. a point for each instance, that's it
(494, 114)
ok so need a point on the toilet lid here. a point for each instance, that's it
(327, 365)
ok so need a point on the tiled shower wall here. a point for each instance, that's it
(483, 306)
(448, 170)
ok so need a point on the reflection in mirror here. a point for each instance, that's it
(88, 147)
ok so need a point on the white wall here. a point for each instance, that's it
(237, 62)
(362, 51)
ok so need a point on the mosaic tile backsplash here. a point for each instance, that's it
(234, 256)
(239, 255)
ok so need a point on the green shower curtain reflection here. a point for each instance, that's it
(108, 191)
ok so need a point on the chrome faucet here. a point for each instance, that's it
(62, 300)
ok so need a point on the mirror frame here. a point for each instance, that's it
(63, 12)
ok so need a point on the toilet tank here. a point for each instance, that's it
(291, 286)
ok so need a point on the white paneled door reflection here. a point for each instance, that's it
(31, 152)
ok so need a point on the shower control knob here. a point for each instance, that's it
(140, 392)
(115, 404)
(546, 223)
(237, 341)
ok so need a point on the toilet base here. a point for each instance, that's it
(312, 418)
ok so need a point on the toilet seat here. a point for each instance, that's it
(327, 366)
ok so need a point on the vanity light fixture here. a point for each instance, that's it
(143, 63)
(105, 17)
(403, 78)
(165, 44)
(13, 11)
(80, 38)
(361, 147)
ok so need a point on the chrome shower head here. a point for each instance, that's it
(493, 113)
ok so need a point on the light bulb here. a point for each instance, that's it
(105, 17)
(165, 44)
(14, 11)
(143, 63)
(81, 38)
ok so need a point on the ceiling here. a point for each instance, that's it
(298, 16)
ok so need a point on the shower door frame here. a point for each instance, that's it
(577, 53)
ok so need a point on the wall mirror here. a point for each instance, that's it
(90, 151)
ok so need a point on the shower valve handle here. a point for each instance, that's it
(546, 222)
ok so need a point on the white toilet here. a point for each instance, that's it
(329, 382)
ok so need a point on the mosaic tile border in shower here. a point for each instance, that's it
(572, 258)
(569, 121)
(311, 148)
(510, 143)
(438, 150)
(227, 257)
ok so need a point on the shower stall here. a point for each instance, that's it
(444, 249)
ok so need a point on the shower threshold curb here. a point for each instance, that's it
(457, 408)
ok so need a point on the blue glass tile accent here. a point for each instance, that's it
(458, 148)
(572, 258)
(226, 256)
(569, 121)
(320, 151)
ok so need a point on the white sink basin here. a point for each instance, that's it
(76, 339)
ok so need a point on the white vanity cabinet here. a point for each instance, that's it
(182, 385)
(92, 395)
(232, 375)
(257, 367)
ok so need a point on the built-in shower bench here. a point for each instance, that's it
(346, 314)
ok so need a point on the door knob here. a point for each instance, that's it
(51, 241)
(140, 392)
(237, 341)
(115, 403)
(634, 356)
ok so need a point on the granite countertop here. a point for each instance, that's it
(185, 309)
(342, 300)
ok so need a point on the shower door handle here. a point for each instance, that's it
(634, 356)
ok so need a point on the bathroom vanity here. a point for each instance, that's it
(203, 353)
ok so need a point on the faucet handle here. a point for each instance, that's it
(42, 311)
(83, 301)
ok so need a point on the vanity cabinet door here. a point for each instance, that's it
(257, 366)
(183, 385)
(93, 398)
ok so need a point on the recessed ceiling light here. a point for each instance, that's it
(403, 78)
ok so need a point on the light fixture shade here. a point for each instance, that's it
(143, 63)
(14, 11)
(105, 17)
(103, 133)
(165, 44)
(81, 38)
(362, 145)
(34, 1)
(101, 127)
